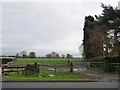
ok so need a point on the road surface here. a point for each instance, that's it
(60, 84)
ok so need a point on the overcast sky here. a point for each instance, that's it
(46, 26)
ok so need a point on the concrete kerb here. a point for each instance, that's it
(87, 80)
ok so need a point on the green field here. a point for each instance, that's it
(46, 61)
(44, 74)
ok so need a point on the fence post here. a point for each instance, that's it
(55, 67)
(71, 67)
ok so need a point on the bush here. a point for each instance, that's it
(31, 69)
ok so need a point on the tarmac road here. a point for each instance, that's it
(60, 84)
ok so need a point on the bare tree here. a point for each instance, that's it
(32, 55)
(23, 53)
(69, 56)
(63, 56)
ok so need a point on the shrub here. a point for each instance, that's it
(31, 69)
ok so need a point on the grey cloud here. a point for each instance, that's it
(45, 26)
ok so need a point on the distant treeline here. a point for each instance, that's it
(23, 54)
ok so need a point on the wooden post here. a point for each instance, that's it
(55, 67)
(71, 67)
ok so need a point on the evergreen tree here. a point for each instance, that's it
(102, 34)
